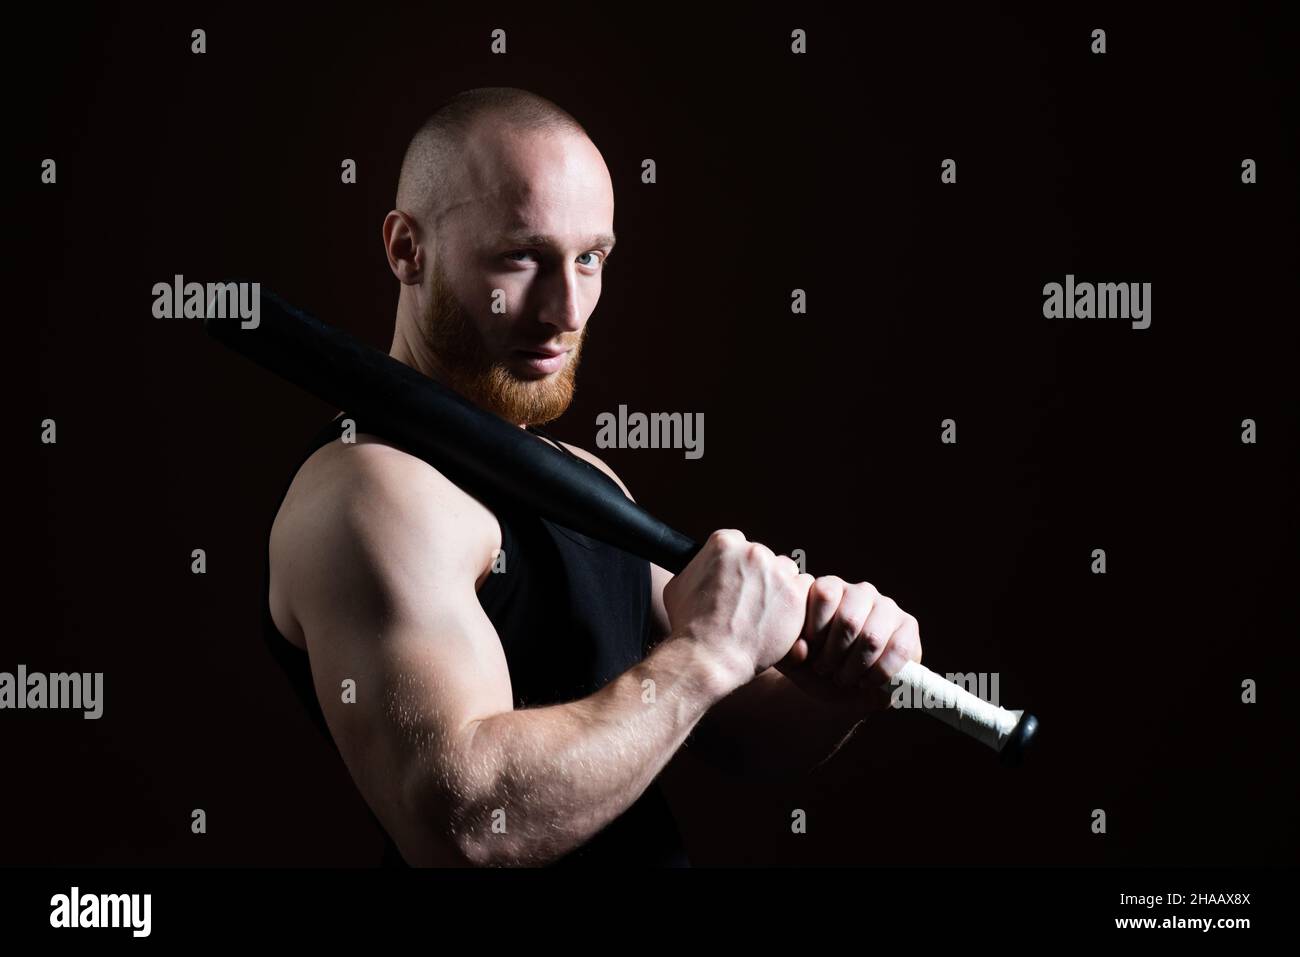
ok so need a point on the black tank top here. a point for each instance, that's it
(572, 614)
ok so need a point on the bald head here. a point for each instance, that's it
(437, 158)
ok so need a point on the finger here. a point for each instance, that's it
(823, 601)
(855, 610)
(904, 645)
(871, 642)
(796, 656)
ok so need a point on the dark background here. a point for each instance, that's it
(822, 431)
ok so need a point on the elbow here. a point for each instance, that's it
(483, 833)
(425, 838)
(460, 824)
(441, 843)
(476, 850)
(426, 821)
(433, 841)
(448, 844)
(447, 851)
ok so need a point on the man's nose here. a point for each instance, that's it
(561, 305)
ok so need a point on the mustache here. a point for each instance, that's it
(548, 345)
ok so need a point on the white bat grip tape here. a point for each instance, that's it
(968, 713)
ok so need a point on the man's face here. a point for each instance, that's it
(516, 268)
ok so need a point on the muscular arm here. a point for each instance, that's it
(769, 727)
(379, 565)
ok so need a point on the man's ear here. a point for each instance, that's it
(406, 257)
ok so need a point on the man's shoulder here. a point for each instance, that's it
(372, 488)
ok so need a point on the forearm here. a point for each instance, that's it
(536, 783)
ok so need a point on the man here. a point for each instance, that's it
(520, 715)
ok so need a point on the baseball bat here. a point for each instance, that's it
(500, 462)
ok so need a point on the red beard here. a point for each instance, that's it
(464, 364)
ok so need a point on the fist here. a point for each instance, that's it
(853, 642)
(741, 602)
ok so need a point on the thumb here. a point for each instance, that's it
(796, 656)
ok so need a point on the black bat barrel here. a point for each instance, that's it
(479, 451)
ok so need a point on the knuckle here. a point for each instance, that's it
(829, 587)
(792, 593)
(873, 643)
(852, 625)
(725, 538)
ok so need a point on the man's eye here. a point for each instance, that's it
(594, 259)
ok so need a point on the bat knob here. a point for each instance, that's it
(1013, 752)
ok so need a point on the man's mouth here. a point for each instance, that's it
(545, 352)
(542, 360)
